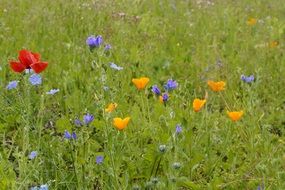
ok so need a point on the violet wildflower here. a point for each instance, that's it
(99, 159)
(73, 135)
(170, 85)
(108, 47)
(94, 41)
(78, 123)
(35, 79)
(116, 67)
(155, 90)
(165, 97)
(32, 155)
(88, 118)
(12, 85)
(69, 136)
(52, 91)
(178, 129)
(246, 79)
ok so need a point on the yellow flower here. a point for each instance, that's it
(140, 83)
(111, 107)
(273, 44)
(217, 86)
(120, 123)
(235, 115)
(251, 21)
(198, 104)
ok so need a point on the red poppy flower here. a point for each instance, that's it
(28, 60)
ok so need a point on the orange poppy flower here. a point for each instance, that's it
(111, 107)
(251, 21)
(217, 86)
(273, 44)
(140, 83)
(120, 123)
(235, 115)
(198, 104)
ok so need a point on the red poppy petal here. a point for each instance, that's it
(39, 66)
(17, 66)
(37, 56)
(26, 58)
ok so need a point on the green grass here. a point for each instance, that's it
(188, 41)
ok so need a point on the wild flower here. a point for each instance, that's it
(246, 79)
(88, 118)
(52, 91)
(170, 85)
(164, 98)
(35, 79)
(178, 129)
(69, 136)
(140, 83)
(99, 159)
(78, 123)
(116, 67)
(155, 90)
(235, 115)
(111, 107)
(198, 104)
(162, 148)
(33, 155)
(94, 41)
(108, 47)
(11, 85)
(176, 165)
(216, 86)
(273, 44)
(42, 187)
(251, 21)
(120, 123)
(28, 60)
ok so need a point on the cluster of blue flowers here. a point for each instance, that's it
(169, 86)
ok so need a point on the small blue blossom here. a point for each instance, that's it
(170, 85)
(12, 85)
(246, 79)
(35, 79)
(94, 41)
(178, 129)
(165, 97)
(73, 135)
(32, 155)
(69, 136)
(116, 67)
(88, 118)
(53, 91)
(78, 123)
(155, 90)
(44, 187)
(108, 47)
(99, 159)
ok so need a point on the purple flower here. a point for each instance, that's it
(165, 97)
(246, 79)
(108, 47)
(42, 187)
(32, 155)
(178, 129)
(155, 90)
(78, 123)
(94, 41)
(88, 118)
(69, 136)
(73, 135)
(12, 85)
(35, 79)
(116, 67)
(53, 91)
(170, 85)
(99, 159)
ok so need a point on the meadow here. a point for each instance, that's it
(133, 94)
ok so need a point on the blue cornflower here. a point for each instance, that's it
(165, 97)
(53, 91)
(88, 118)
(78, 123)
(12, 85)
(94, 41)
(99, 159)
(68, 136)
(178, 129)
(116, 67)
(170, 85)
(35, 79)
(32, 155)
(155, 90)
(108, 47)
(246, 79)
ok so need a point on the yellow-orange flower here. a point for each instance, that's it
(198, 104)
(120, 123)
(273, 44)
(235, 115)
(251, 21)
(111, 107)
(140, 83)
(217, 86)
